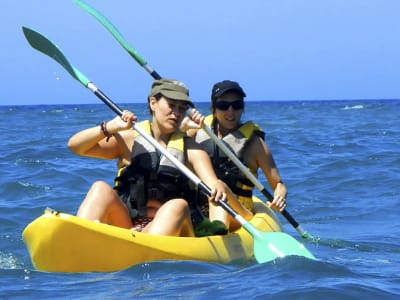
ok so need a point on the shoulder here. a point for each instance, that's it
(249, 129)
(257, 144)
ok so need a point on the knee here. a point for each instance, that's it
(179, 205)
(102, 192)
(183, 203)
(100, 185)
(101, 188)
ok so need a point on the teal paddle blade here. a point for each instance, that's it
(271, 245)
(42, 44)
(113, 30)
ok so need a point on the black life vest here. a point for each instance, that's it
(151, 175)
(225, 169)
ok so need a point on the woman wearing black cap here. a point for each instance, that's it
(247, 142)
(150, 192)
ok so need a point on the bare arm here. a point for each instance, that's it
(264, 160)
(92, 142)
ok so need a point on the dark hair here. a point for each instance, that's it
(158, 97)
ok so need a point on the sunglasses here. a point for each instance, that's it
(224, 105)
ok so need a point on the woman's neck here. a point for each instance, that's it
(222, 131)
(158, 135)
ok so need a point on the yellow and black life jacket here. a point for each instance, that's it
(225, 169)
(150, 175)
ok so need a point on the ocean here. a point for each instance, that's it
(339, 159)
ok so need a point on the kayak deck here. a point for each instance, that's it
(59, 242)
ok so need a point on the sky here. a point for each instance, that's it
(276, 49)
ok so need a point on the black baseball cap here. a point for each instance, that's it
(225, 86)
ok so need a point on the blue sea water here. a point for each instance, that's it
(339, 159)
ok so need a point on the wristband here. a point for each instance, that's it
(104, 130)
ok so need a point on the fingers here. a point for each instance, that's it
(218, 193)
(128, 116)
(279, 203)
(221, 197)
(195, 121)
(197, 117)
(122, 122)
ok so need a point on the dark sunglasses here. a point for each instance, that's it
(224, 105)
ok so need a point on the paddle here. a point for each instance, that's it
(118, 36)
(114, 31)
(142, 62)
(267, 246)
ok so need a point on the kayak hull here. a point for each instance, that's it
(59, 242)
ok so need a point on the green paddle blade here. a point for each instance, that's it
(278, 244)
(271, 245)
(42, 44)
(113, 30)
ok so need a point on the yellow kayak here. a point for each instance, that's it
(59, 242)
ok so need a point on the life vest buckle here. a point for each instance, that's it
(155, 193)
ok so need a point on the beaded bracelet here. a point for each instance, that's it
(104, 130)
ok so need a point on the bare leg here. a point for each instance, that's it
(102, 203)
(216, 212)
(173, 219)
